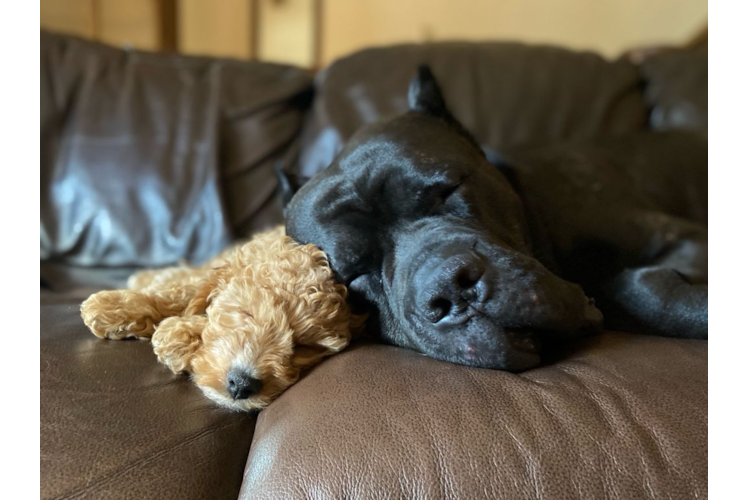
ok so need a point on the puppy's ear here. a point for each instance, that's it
(288, 184)
(424, 94)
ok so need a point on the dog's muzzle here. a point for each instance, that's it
(242, 385)
(451, 289)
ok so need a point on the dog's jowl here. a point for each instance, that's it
(480, 264)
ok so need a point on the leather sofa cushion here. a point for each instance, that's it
(116, 424)
(507, 94)
(617, 416)
(148, 158)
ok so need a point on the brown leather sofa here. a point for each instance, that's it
(148, 159)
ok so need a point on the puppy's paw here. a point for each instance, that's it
(119, 314)
(176, 340)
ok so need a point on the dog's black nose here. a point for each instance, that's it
(242, 385)
(451, 287)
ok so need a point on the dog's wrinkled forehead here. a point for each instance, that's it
(389, 172)
(413, 140)
(413, 151)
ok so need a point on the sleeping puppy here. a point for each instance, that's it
(244, 326)
(477, 264)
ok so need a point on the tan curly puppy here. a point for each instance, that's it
(244, 325)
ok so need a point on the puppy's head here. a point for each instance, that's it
(275, 311)
(432, 239)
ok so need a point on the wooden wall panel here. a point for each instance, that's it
(74, 17)
(216, 28)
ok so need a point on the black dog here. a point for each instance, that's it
(474, 264)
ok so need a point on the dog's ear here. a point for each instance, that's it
(424, 94)
(288, 184)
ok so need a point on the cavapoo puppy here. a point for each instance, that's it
(244, 326)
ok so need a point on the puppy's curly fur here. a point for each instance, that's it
(269, 308)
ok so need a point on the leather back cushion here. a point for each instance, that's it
(152, 158)
(505, 93)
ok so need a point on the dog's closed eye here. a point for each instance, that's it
(448, 191)
(443, 193)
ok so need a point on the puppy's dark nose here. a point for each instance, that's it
(452, 287)
(242, 385)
